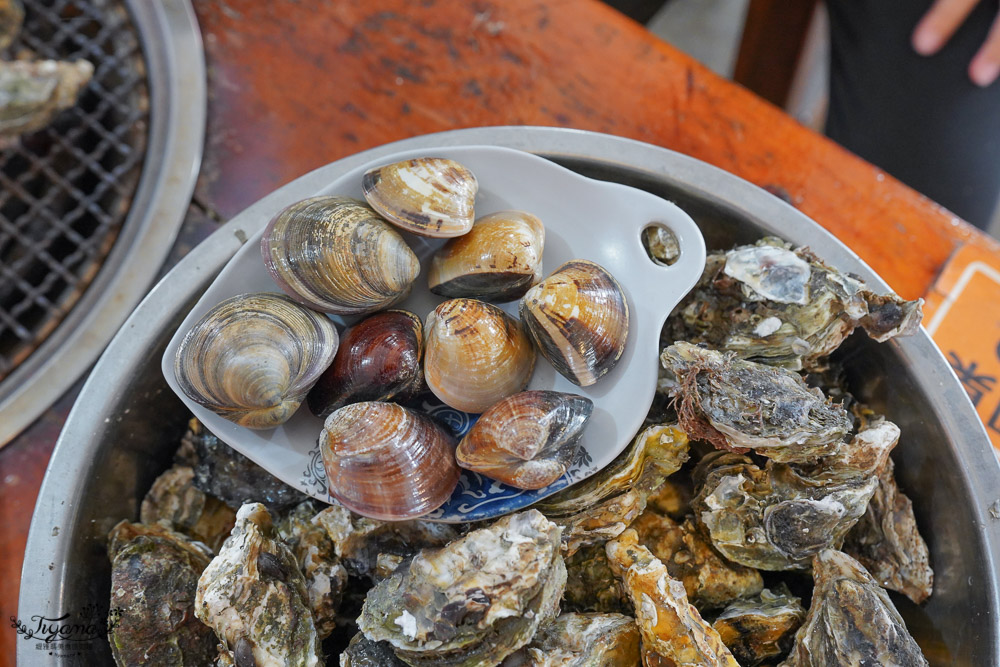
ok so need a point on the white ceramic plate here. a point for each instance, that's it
(584, 219)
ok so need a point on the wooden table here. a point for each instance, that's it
(295, 85)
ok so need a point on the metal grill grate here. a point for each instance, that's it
(65, 190)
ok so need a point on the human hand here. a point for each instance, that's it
(940, 23)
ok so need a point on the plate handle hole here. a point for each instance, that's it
(660, 243)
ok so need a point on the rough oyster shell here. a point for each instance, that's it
(254, 597)
(773, 305)
(709, 581)
(426, 196)
(314, 552)
(363, 652)
(851, 620)
(221, 471)
(359, 541)
(740, 405)
(527, 440)
(658, 451)
(673, 632)
(578, 319)
(32, 93)
(591, 586)
(498, 260)
(761, 628)
(476, 600)
(11, 18)
(778, 517)
(888, 544)
(335, 255)
(154, 574)
(379, 359)
(600, 523)
(387, 462)
(175, 499)
(581, 640)
(253, 358)
(475, 355)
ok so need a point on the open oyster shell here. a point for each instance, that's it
(498, 260)
(783, 307)
(527, 440)
(740, 405)
(154, 574)
(427, 196)
(709, 580)
(474, 601)
(581, 640)
(255, 598)
(335, 255)
(888, 544)
(778, 517)
(253, 357)
(578, 319)
(851, 620)
(314, 552)
(673, 632)
(32, 93)
(175, 499)
(761, 628)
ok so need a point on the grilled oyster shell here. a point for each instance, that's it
(740, 405)
(255, 598)
(33, 93)
(474, 601)
(851, 620)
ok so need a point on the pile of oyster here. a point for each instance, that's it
(254, 358)
(755, 520)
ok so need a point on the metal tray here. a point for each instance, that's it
(126, 424)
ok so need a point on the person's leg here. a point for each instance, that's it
(919, 118)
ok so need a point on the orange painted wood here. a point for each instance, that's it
(295, 85)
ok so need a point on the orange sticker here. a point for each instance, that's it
(962, 314)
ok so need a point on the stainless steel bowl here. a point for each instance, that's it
(126, 424)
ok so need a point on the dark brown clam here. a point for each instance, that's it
(498, 260)
(387, 462)
(578, 319)
(379, 359)
(527, 440)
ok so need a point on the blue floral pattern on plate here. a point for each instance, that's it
(476, 497)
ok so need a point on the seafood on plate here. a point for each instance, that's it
(154, 576)
(426, 196)
(255, 598)
(498, 260)
(379, 359)
(386, 461)
(578, 318)
(475, 601)
(252, 358)
(475, 355)
(336, 255)
(527, 440)
(783, 306)
(851, 620)
(741, 405)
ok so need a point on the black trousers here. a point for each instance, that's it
(919, 118)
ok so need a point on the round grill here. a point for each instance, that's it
(65, 190)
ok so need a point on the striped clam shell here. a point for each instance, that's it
(578, 319)
(498, 260)
(425, 196)
(253, 358)
(335, 255)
